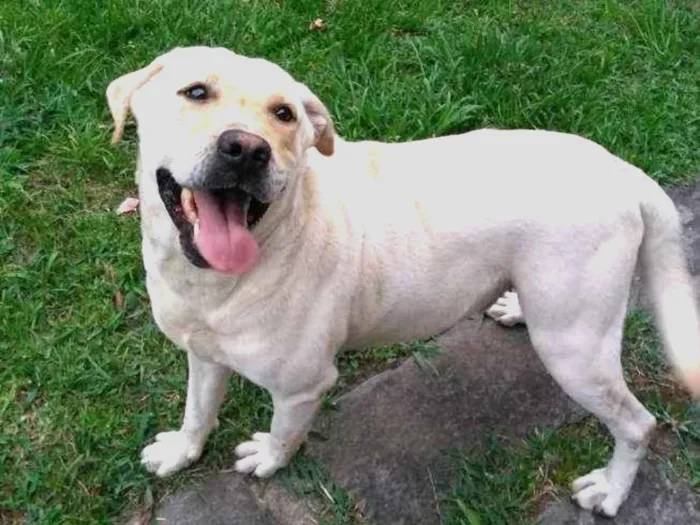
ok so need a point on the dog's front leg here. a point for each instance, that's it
(176, 449)
(291, 421)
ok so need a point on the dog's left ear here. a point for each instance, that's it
(119, 94)
(321, 121)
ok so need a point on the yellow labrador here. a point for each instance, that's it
(270, 244)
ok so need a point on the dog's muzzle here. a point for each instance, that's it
(216, 215)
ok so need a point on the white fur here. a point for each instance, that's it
(506, 310)
(263, 455)
(381, 243)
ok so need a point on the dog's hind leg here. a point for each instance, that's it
(575, 316)
(590, 372)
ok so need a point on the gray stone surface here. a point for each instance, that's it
(687, 200)
(387, 441)
(656, 499)
(233, 499)
(224, 499)
(284, 506)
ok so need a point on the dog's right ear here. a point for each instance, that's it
(321, 121)
(119, 94)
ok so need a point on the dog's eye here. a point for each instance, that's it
(198, 92)
(284, 113)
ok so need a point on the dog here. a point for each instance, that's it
(270, 244)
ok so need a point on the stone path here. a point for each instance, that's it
(387, 439)
(386, 443)
(232, 499)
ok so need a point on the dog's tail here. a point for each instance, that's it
(666, 275)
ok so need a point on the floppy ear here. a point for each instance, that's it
(119, 94)
(321, 121)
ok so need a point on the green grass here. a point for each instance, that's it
(307, 478)
(503, 483)
(87, 378)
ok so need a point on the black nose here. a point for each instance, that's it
(243, 150)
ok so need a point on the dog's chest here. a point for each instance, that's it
(201, 320)
(182, 315)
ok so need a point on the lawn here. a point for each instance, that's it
(86, 377)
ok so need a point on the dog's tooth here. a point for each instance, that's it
(196, 229)
(186, 195)
(188, 204)
(245, 207)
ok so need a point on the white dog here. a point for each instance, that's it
(270, 244)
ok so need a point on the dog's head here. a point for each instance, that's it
(223, 135)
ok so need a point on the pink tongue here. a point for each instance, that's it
(223, 240)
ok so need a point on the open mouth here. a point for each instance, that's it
(214, 224)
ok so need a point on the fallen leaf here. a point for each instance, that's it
(317, 24)
(128, 205)
(118, 300)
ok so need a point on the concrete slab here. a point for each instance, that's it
(387, 440)
(223, 499)
(232, 499)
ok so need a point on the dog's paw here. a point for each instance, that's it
(263, 456)
(506, 310)
(595, 492)
(171, 452)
